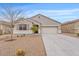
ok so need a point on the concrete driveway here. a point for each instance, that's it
(61, 45)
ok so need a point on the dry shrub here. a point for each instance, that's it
(20, 52)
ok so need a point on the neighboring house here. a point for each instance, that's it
(4, 27)
(70, 27)
(45, 24)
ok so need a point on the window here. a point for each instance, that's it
(22, 27)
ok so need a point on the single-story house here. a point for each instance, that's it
(45, 24)
(70, 27)
(4, 27)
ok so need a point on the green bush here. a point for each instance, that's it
(35, 29)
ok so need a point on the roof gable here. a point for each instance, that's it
(25, 20)
(44, 20)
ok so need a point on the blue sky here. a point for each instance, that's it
(59, 11)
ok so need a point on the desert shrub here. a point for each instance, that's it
(20, 52)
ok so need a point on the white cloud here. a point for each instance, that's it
(59, 15)
(53, 12)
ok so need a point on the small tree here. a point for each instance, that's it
(11, 14)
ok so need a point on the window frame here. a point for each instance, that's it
(22, 27)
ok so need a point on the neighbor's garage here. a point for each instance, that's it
(49, 29)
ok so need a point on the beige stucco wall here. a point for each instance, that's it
(5, 29)
(59, 29)
(45, 21)
(76, 27)
(28, 31)
(16, 31)
(70, 28)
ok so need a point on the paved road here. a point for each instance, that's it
(61, 45)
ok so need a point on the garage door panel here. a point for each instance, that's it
(50, 30)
